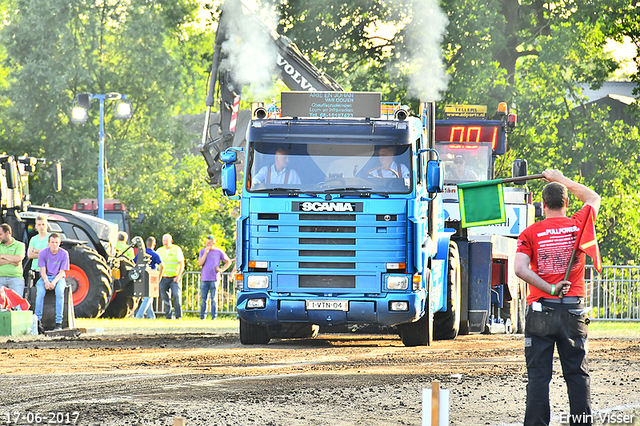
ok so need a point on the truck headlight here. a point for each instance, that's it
(257, 281)
(256, 303)
(397, 283)
(398, 306)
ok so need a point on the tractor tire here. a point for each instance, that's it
(253, 334)
(446, 325)
(90, 281)
(121, 306)
(419, 333)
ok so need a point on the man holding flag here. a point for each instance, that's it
(556, 315)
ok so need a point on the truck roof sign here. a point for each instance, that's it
(466, 111)
(331, 104)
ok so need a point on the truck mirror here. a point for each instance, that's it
(435, 176)
(228, 181)
(538, 209)
(11, 172)
(57, 177)
(518, 169)
(228, 156)
(140, 218)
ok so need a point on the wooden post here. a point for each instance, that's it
(435, 403)
(179, 421)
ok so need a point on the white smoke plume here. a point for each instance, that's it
(424, 35)
(249, 50)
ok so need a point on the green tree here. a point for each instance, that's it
(153, 52)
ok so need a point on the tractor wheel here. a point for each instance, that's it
(90, 281)
(253, 334)
(121, 306)
(447, 324)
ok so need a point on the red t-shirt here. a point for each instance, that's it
(549, 244)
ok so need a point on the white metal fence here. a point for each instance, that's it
(226, 296)
(614, 295)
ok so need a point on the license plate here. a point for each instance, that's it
(328, 305)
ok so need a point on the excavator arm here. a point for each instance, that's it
(289, 64)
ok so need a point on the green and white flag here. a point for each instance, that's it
(481, 203)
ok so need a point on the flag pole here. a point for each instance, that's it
(521, 178)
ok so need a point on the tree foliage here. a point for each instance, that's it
(149, 50)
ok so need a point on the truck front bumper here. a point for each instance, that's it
(266, 309)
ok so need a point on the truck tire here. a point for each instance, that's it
(419, 333)
(253, 334)
(121, 306)
(447, 324)
(90, 281)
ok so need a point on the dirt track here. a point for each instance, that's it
(331, 380)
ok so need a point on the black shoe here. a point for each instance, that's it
(58, 327)
(40, 328)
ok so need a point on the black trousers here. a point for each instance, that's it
(562, 326)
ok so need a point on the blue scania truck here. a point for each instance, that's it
(343, 224)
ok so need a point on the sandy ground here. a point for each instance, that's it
(331, 380)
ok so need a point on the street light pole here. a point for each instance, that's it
(79, 113)
(101, 159)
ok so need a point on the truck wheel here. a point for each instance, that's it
(90, 281)
(253, 334)
(121, 306)
(447, 324)
(418, 333)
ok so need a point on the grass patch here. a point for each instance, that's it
(188, 324)
(614, 330)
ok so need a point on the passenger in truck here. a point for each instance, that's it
(279, 172)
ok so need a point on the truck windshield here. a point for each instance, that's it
(329, 167)
(465, 162)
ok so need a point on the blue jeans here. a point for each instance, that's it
(14, 283)
(167, 284)
(207, 287)
(145, 310)
(40, 292)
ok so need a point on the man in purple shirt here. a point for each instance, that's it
(53, 262)
(209, 259)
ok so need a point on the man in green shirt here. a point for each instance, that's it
(11, 255)
(122, 248)
(37, 243)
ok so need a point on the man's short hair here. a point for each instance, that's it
(6, 228)
(122, 236)
(54, 235)
(151, 241)
(42, 218)
(555, 195)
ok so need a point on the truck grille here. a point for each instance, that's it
(327, 281)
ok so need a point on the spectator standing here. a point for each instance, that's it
(145, 310)
(11, 255)
(543, 253)
(173, 260)
(38, 243)
(53, 262)
(122, 247)
(209, 259)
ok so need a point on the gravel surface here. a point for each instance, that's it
(332, 380)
